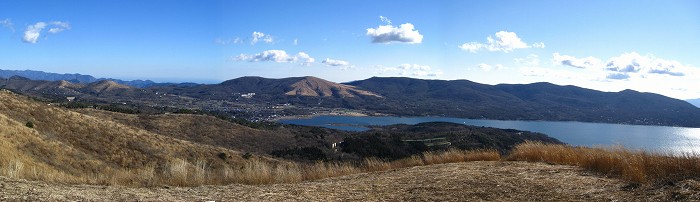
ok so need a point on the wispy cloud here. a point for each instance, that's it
(259, 36)
(531, 60)
(336, 63)
(488, 67)
(304, 59)
(7, 23)
(404, 33)
(587, 62)
(255, 37)
(33, 32)
(58, 27)
(221, 41)
(410, 70)
(279, 56)
(548, 72)
(626, 63)
(385, 19)
(503, 41)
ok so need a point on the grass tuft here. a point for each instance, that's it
(634, 166)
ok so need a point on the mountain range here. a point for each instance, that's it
(75, 78)
(536, 101)
(395, 96)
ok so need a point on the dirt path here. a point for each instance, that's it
(472, 181)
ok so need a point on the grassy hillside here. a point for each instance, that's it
(54, 144)
(48, 143)
(210, 130)
(79, 147)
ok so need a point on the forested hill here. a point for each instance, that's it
(536, 101)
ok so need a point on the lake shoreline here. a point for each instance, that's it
(644, 137)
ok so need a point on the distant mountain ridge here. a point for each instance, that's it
(306, 90)
(40, 75)
(74, 78)
(389, 95)
(536, 101)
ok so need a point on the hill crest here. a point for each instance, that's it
(316, 87)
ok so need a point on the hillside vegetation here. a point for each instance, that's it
(536, 101)
(54, 144)
(257, 97)
(58, 145)
(470, 181)
(42, 142)
(205, 129)
(633, 166)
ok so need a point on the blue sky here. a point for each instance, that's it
(649, 46)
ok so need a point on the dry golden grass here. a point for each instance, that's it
(68, 147)
(634, 166)
(455, 155)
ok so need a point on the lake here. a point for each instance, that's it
(666, 139)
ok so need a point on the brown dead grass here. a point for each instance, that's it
(469, 181)
(634, 166)
(455, 155)
(69, 147)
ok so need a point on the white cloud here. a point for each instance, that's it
(546, 72)
(335, 63)
(411, 70)
(538, 45)
(268, 55)
(33, 32)
(584, 63)
(259, 36)
(471, 47)
(344, 65)
(305, 59)
(279, 56)
(487, 67)
(59, 27)
(627, 63)
(255, 37)
(531, 60)
(633, 62)
(385, 34)
(220, 41)
(7, 23)
(385, 19)
(504, 41)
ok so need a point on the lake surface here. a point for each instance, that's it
(649, 138)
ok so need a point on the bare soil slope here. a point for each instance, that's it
(471, 181)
